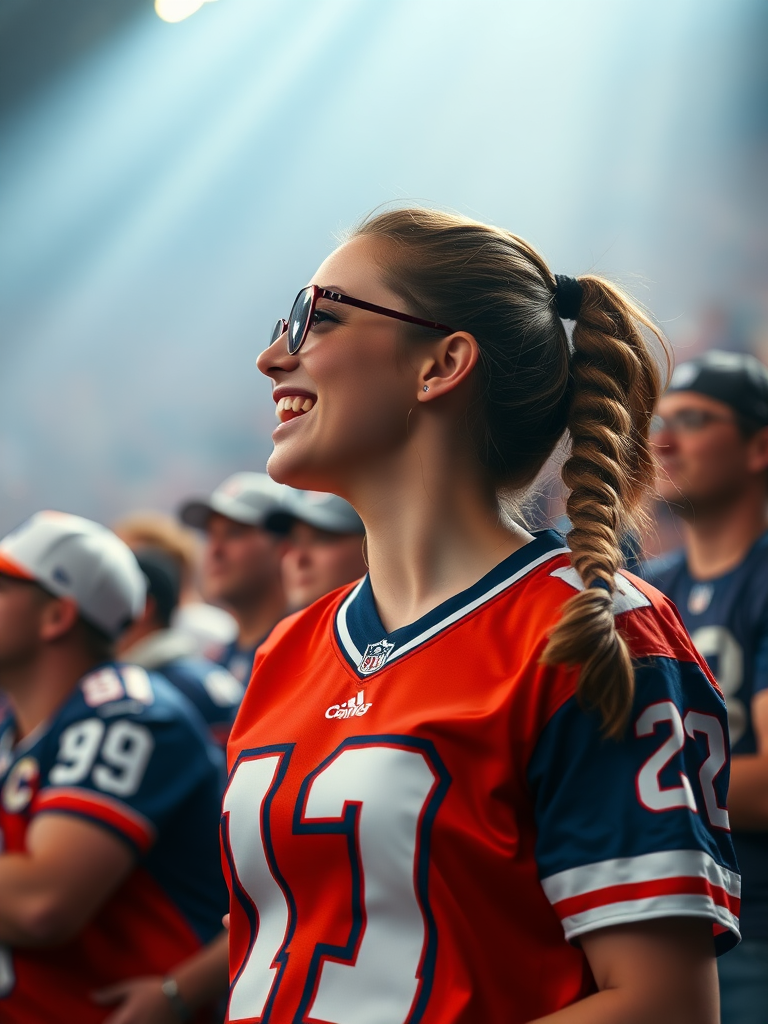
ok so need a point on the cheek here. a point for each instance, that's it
(717, 457)
(18, 628)
(259, 559)
(712, 463)
(361, 415)
(291, 562)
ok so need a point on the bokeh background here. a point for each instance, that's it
(165, 189)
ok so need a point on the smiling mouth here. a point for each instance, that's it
(291, 406)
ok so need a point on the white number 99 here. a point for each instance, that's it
(125, 751)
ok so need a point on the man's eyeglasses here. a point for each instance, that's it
(687, 421)
(300, 320)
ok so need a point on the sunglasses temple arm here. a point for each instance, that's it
(361, 304)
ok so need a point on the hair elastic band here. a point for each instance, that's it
(598, 581)
(568, 295)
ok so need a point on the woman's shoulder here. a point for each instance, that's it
(647, 619)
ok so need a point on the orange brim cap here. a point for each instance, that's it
(9, 568)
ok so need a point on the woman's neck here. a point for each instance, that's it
(433, 529)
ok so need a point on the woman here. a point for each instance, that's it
(487, 784)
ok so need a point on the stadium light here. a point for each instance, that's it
(177, 10)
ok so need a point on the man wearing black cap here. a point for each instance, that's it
(245, 522)
(712, 444)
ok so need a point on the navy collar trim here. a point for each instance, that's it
(368, 647)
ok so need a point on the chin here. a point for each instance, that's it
(297, 470)
(681, 506)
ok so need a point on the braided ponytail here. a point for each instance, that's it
(615, 386)
(494, 284)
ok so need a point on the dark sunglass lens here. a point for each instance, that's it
(277, 331)
(297, 323)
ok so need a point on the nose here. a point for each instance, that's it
(304, 556)
(214, 550)
(276, 357)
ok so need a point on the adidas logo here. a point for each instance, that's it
(355, 707)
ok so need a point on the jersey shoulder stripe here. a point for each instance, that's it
(647, 619)
(115, 814)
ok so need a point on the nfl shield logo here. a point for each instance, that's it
(375, 656)
(700, 597)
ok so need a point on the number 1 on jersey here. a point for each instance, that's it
(246, 830)
(381, 793)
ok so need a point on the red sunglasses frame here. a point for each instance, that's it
(327, 293)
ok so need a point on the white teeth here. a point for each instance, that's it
(293, 403)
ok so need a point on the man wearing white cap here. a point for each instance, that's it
(325, 547)
(245, 522)
(109, 786)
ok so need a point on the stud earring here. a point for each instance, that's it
(425, 388)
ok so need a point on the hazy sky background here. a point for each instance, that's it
(163, 199)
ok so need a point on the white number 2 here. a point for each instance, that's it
(377, 794)
(125, 751)
(649, 789)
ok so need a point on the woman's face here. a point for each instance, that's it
(351, 383)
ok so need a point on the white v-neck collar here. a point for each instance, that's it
(368, 647)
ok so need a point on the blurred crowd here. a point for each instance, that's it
(125, 653)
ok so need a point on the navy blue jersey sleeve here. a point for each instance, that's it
(761, 660)
(130, 755)
(211, 688)
(637, 829)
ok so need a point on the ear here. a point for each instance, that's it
(59, 616)
(757, 452)
(449, 363)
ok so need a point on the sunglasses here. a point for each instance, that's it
(299, 322)
(687, 421)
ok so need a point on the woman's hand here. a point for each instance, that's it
(141, 1001)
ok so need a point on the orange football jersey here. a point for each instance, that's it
(419, 825)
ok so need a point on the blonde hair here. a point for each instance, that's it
(151, 529)
(531, 388)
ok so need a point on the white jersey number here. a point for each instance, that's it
(382, 796)
(124, 748)
(651, 793)
(719, 642)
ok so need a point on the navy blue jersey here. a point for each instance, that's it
(211, 688)
(127, 752)
(727, 618)
(238, 660)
